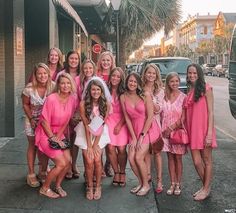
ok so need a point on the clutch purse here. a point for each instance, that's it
(54, 145)
(179, 136)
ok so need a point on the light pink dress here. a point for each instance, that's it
(171, 112)
(56, 114)
(197, 120)
(81, 140)
(113, 119)
(138, 117)
(158, 100)
(79, 88)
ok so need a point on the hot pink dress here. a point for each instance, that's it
(171, 112)
(113, 119)
(56, 114)
(197, 120)
(138, 117)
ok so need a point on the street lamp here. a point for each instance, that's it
(116, 7)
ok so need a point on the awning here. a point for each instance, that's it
(64, 4)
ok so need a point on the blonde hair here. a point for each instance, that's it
(113, 65)
(60, 56)
(49, 84)
(158, 81)
(72, 82)
(82, 76)
(167, 86)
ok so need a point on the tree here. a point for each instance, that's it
(171, 50)
(140, 19)
(184, 51)
(222, 43)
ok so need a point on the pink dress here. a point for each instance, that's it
(197, 120)
(79, 88)
(113, 119)
(137, 116)
(56, 114)
(103, 76)
(171, 112)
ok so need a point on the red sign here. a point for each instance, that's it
(97, 48)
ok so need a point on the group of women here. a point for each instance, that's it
(102, 108)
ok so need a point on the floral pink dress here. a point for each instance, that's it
(137, 116)
(56, 114)
(197, 120)
(36, 105)
(113, 119)
(171, 112)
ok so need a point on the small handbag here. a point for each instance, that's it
(54, 145)
(179, 136)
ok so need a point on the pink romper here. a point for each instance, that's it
(197, 120)
(171, 112)
(138, 117)
(56, 114)
(113, 119)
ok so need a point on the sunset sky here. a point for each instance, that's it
(203, 7)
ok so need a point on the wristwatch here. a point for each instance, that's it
(142, 134)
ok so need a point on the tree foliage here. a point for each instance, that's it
(141, 19)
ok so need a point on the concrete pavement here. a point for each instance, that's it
(223, 195)
(16, 196)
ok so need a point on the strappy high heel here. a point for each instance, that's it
(170, 191)
(89, 192)
(98, 193)
(177, 190)
(122, 182)
(116, 182)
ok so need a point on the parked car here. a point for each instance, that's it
(130, 68)
(139, 67)
(227, 73)
(208, 69)
(170, 64)
(232, 74)
(220, 69)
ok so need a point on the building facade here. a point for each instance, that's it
(28, 29)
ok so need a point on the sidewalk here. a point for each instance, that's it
(17, 196)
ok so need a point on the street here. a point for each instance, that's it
(224, 121)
